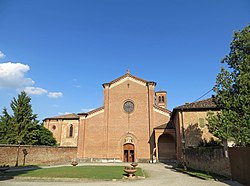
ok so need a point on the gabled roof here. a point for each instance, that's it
(169, 125)
(92, 111)
(162, 109)
(203, 104)
(127, 75)
(95, 110)
(66, 116)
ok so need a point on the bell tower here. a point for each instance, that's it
(161, 99)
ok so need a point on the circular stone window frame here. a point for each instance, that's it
(124, 106)
(53, 127)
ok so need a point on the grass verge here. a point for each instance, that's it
(88, 172)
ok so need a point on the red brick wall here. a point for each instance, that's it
(102, 133)
(93, 142)
(37, 155)
(240, 164)
(211, 160)
(61, 131)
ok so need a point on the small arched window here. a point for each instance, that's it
(71, 131)
(162, 98)
(159, 99)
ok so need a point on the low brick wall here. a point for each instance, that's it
(240, 164)
(37, 155)
(208, 159)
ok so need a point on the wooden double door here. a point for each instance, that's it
(128, 152)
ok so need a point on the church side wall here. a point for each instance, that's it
(55, 127)
(195, 129)
(94, 140)
(160, 118)
(66, 139)
(60, 129)
(195, 126)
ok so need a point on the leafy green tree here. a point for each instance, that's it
(233, 93)
(6, 129)
(24, 121)
(45, 136)
(23, 125)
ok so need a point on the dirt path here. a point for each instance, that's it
(160, 174)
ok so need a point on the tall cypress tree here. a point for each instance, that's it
(24, 121)
(6, 128)
(23, 125)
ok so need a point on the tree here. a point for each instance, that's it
(45, 136)
(233, 93)
(6, 128)
(23, 125)
(24, 121)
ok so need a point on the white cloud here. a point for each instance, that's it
(35, 90)
(64, 113)
(55, 94)
(2, 56)
(12, 75)
(77, 86)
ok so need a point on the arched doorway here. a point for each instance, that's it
(166, 147)
(128, 152)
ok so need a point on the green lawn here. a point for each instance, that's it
(90, 172)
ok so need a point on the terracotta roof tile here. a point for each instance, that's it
(207, 103)
(95, 110)
(162, 109)
(66, 116)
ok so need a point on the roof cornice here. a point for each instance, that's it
(128, 74)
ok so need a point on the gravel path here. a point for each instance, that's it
(160, 174)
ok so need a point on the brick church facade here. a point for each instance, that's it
(130, 126)
(133, 124)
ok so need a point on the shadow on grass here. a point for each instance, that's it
(201, 174)
(11, 172)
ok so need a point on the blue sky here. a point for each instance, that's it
(61, 52)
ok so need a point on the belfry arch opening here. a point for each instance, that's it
(166, 147)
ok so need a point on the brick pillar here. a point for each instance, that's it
(60, 122)
(151, 100)
(81, 136)
(106, 120)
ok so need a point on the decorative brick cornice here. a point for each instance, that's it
(127, 75)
